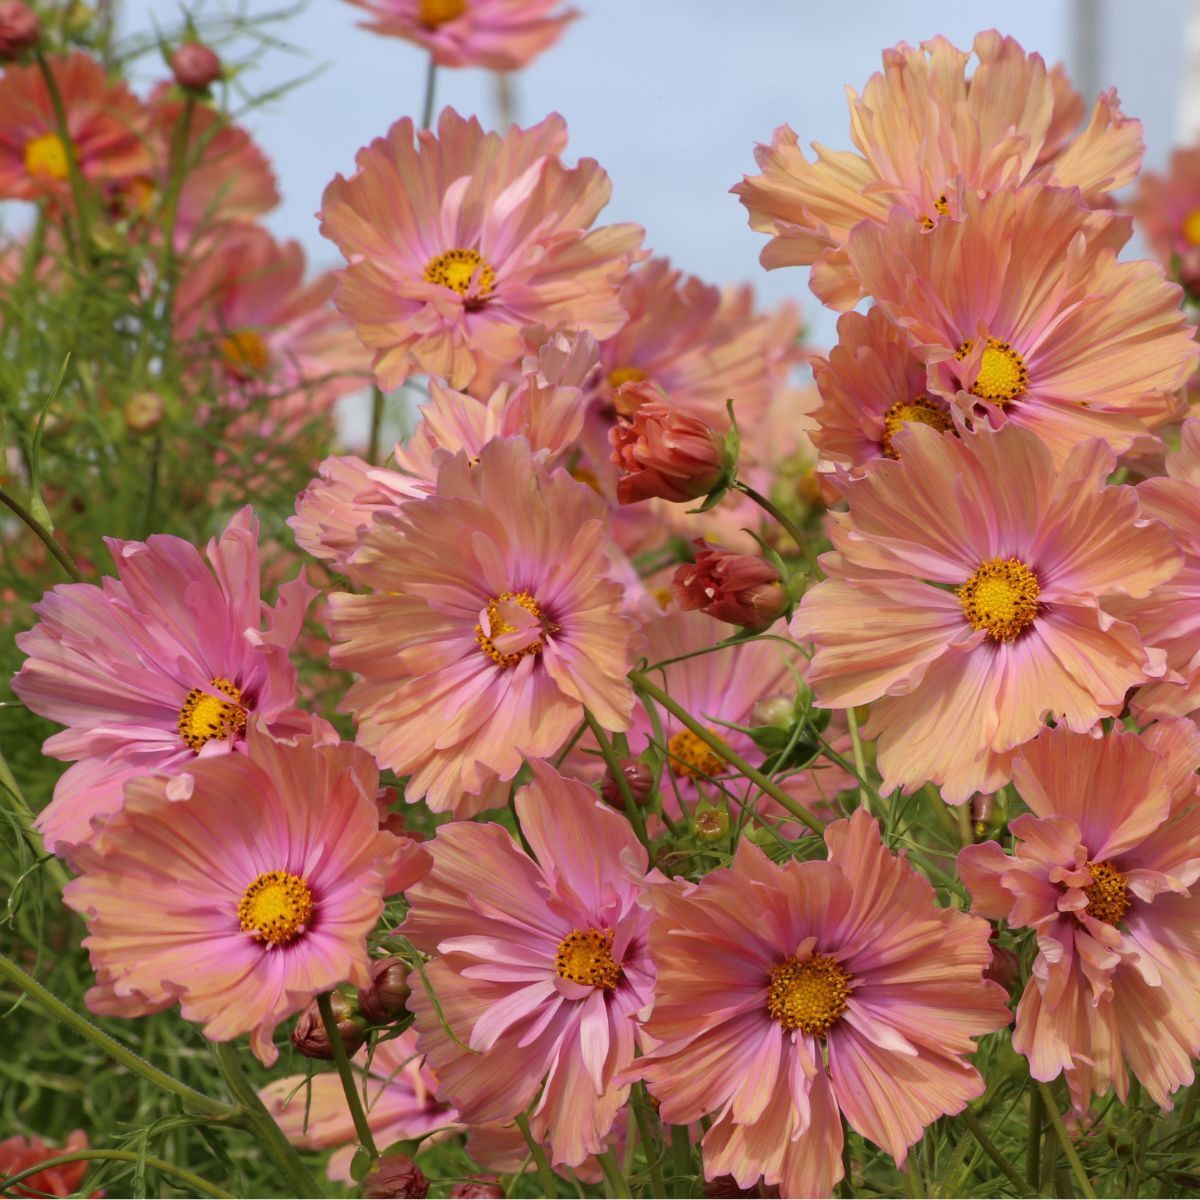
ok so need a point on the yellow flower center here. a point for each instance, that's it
(1002, 375)
(511, 627)
(942, 207)
(46, 157)
(809, 995)
(457, 269)
(245, 354)
(691, 757)
(904, 412)
(1001, 597)
(276, 907)
(205, 716)
(432, 13)
(620, 375)
(1191, 228)
(1107, 895)
(140, 195)
(585, 956)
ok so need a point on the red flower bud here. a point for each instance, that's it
(478, 1187)
(195, 66)
(310, 1038)
(640, 779)
(395, 1175)
(666, 453)
(385, 999)
(742, 589)
(1005, 967)
(19, 29)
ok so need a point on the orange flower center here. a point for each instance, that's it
(1191, 228)
(585, 956)
(276, 907)
(1001, 597)
(620, 375)
(46, 157)
(1002, 376)
(809, 995)
(691, 757)
(920, 411)
(1107, 895)
(432, 13)
(462, 271)
(204, 716)
(245, 354)
(511, 627)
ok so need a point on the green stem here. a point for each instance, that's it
(860, 767)
(254, 1117)
(1085, 1184)
(681, 1152)
(792, 529)
(8, 782)
(989, 1148)
(1033, 1144)
(194, 1182)
(376, 426)
(618, 1185)
(78, 189)
(197, 1101)
(649, 1141)
(48, 539)
(632, 810)
(545, 1175)
(341, 1060)
(176, 172)
(772, 789)
(430, 93)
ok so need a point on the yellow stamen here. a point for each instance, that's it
(1001, 597)
(46, 157)
(585, 956)
(456, 268)
(942, 207)
(1191, 228)
(1002, 376)
(1107, 895)
(809, 995)
(245, 354)
(204, 717)
(432, 13)
(276, 907)
(498, 626)
(920, 412)
(621, 375)
(693, 758)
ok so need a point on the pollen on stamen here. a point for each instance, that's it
(1107, 894)
(1001, 597)
(276, 908)
(204, 717)
(585, 956)
(1002, 377)
(530, 635)
(920, 411)
(691, 757)
(808, 995)
(457, 269)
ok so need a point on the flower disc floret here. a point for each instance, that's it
(691, 757)
(1107, 894)
(276, 907)
(808, 995)
(205, 716)
(435, 13)
(459, 269)
(46, 157)
(585, 956)
(920, 411)
(1001, 597)
(1003, 376)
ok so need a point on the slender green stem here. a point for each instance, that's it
(1033, 1144)
(860, 766)
(430, 93)
(545, 1175)
(681, 1153)
(54, 868)
(197, 1101)
(618, 1185)
(74, 175)
(790, 526)
(176, 172)
(376, 426)
(649, 1141)
(718, 747)
(632, 810)
(989, 1148)
(1085, 1184)
(254, 1117)
(341, 1060)
(48, 539)
(194, 1183)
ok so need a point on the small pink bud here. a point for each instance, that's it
(195, 66)
(388, 994)
(395, 1175)
(742, 589)
(478, 1187)
(667, 453)
(640, 779)
(310, 1038)
(19, 29)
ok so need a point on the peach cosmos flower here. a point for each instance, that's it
(542, 965)
(493, 623)
(459, 244)
(105, 120)
(1168, 210)
(244, 938)
(152, 669)
(1022, 314)
(504, 35)
(919, 127)
(1104, 871)
(789, 994)
(970, 595)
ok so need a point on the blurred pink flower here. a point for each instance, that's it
(789, 995)
(542, 965)
(152, 669)
(460, 244)
(969, 596)
(1167, 207)
(1103, 870)
(260, 874)
(19, 1154)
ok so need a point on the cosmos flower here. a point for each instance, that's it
(20, 1153)
(1167, 208)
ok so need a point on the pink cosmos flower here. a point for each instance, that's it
(787, 995)
(149, 670)
(872, 384)
(542, 965)
(1168, 210)
(503, 35)
(493, 623)
(459, 244)
(243, 938)
(399, 1098)
(969, 596)
(1103, 870)
(920, 127)
(1057, 336)
(105, 120)
(19, 1154)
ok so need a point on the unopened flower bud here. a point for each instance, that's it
(19, 29)
(310, 1038)
(1005, 967)
(395, 1175)
(711, 822)
(779, 711)
(743, 589)
(667, 453)
(195, 66)
(143, 412)
(478, 1187)
(385, 999)
(638, 776)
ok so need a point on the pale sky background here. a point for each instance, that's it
(671, 96)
